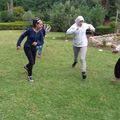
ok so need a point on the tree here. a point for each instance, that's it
(18, 12)
(112, 8)
(6, 16)
(117, 4)
(28, 16)
(62, 16)
(95, 15)
(44, 7)
(10, 6)
(3, 5)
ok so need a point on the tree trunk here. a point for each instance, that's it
(10, 6)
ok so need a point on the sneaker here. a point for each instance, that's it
(39, 56)
(114, 80)
(84, 76)
(75, 62)
(26, 69)
(30, 79)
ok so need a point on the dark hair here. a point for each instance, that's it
(35, 21)
(89, 32)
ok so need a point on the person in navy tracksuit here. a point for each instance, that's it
(39, 47)
(34, 38)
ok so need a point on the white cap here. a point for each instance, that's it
(78, 19)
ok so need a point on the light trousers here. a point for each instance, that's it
(82, 51)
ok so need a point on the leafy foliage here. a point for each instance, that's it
(97, 15)
(18, 12)
(118, 4)
(28, 16)
(3, 5)
(63, 15)
(45, 6)
(6, 16)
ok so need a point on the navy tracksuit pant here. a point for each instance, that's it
(31, 55)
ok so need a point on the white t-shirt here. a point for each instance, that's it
(80, 39)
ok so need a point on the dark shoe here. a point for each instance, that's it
(73, 65)
(30, 79)
(84, 76)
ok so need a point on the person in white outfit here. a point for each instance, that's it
(80, 41)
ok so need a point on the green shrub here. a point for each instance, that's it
(18, 12)
(7, 17)
(106, 29)
(28, 16)
(113, 25)
(113, 18)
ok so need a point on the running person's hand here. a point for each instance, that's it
(34, 43)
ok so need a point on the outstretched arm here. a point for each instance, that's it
(21, 39)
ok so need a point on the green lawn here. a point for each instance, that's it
(58, 92)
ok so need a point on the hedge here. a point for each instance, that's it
(106, 29)
(19, 25)
(14, 25)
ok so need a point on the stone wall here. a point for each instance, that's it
(104, 40)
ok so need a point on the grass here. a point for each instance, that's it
(58, 92)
